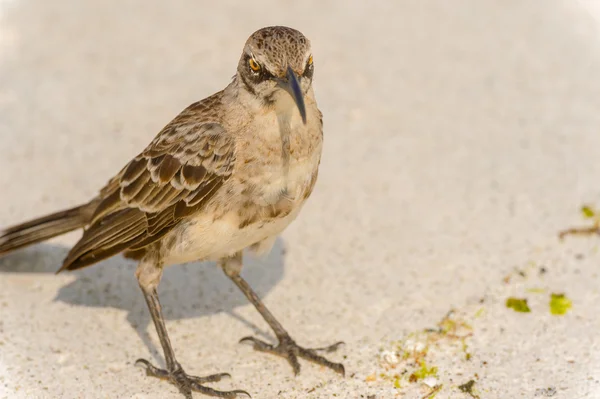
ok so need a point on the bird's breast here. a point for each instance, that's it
(281, 157)
(273, 176)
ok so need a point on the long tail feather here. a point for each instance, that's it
(44, 228)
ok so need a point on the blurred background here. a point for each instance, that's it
(460, 138)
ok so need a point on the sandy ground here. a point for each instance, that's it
(461, 137)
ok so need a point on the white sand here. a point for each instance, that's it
(461, 136)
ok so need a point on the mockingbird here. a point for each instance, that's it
(230, 172)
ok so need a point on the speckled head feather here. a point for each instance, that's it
(276, 61)
(277, 47)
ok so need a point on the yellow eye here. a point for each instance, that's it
(310, 60)
(254, 65)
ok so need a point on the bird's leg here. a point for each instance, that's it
(148, 274)
(286, 347)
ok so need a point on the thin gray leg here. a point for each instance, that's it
(286, 347)
(149, 273)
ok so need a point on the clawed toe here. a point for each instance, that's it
(188, 383)
(210, 378)
(330, 348)
(288, 349)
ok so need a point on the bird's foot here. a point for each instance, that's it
(288, 349)
(188, 383)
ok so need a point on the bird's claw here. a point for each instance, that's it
(188, 383)
(288, 349)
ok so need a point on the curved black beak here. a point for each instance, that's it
(292, 86)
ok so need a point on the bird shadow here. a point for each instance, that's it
(186, 291)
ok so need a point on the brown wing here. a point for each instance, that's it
(174, 177)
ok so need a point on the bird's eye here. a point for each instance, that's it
(308, 69)
(255, 66)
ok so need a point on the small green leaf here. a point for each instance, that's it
(587, 212)
(559, 304)
(468, 389)
(518, 305)
(423, 372)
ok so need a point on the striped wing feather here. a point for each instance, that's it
(174, 177)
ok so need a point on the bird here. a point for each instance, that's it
(229, 173)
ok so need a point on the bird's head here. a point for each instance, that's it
(277, 66)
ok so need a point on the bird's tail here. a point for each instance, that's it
(44, 228)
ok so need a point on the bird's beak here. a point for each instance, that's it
(292, 86)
